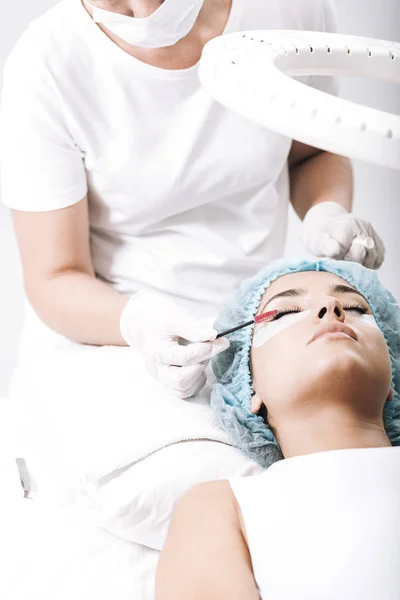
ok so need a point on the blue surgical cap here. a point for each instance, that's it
(231, 395)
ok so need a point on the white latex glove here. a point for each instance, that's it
(329, 230)
(161, 330)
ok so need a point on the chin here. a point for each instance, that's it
(340, 365)
(348, 375)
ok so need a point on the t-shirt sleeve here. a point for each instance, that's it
(327, 22)
(42, 167)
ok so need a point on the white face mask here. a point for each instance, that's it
(172, 21)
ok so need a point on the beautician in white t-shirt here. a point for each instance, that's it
(124, 176)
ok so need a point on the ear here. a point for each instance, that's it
(390, 395)
(256, 403)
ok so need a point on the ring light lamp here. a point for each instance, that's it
(251, 73)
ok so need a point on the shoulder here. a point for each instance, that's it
(307, 15)
(314, 15)
(210, 514)
(206, 554)
(48, 43)
(214, 506)
(211, 497)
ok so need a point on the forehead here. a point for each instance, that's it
(315, 281)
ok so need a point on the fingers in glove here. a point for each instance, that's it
(371, 258)
(182, 380)
(357, 252)
(380, 251)
(170, 352)
(330, 247)
(195, 389)
(195, 331)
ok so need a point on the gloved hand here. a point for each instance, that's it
(329, 230)
(158, 328)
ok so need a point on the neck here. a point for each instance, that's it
(330, 429)
(144, 8)
(210, 23)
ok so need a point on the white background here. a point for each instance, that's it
(377, 192)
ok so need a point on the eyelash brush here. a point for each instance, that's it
(257, 320)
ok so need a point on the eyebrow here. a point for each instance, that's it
(333, 289)
(344, 289)
(286, 293)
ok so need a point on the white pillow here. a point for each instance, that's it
(137, 503)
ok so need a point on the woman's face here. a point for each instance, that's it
(296, 362)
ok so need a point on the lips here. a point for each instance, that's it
(333, 328)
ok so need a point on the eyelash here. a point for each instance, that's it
(285, 312)
(356, 307)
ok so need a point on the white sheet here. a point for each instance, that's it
(57, 555)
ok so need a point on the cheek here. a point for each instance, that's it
(273, 362)
(378, 352)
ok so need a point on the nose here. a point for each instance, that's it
(328, 309)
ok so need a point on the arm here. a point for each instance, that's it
(59, 278)
(317, 176)
(43, 178)
(205, 555)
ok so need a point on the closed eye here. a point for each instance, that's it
(282, 313)
(353, 307)
(357, 307)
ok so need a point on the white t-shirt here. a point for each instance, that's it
(186, 197)
(325, 525)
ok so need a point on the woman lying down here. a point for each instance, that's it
(318, 387)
